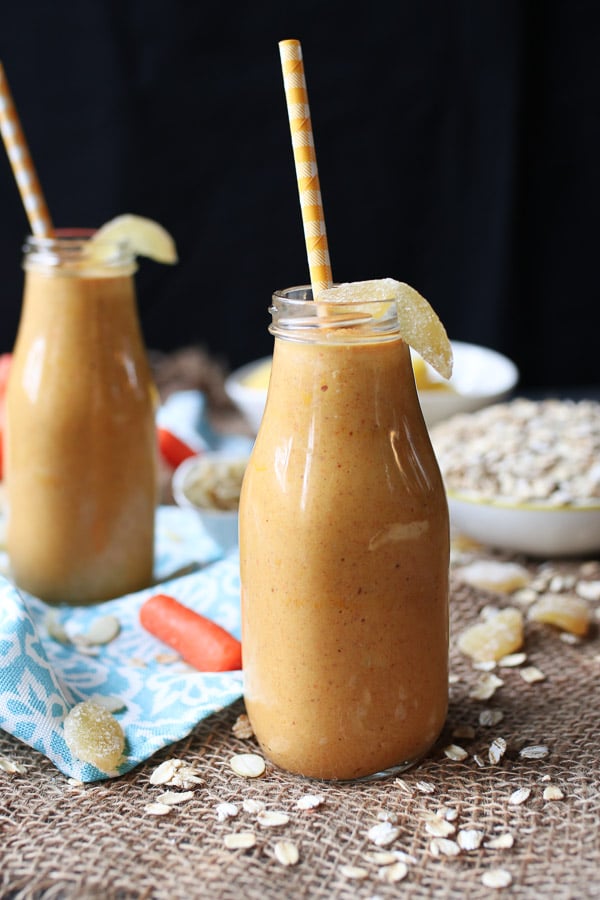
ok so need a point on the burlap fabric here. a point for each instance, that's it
(59, 840)
(65, 841)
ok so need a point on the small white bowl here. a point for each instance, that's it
(250, 399)
(481, 376)
(541, 531)
(220, 524)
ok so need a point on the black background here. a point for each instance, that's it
(458, 146)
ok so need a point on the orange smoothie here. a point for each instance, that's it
(344, 554)
(80, 435)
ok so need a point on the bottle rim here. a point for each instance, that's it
(71, 249)
(296, 316)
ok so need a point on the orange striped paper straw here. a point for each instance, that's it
(305, 160)
(22, 164)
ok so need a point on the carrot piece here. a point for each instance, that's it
(172, 449)
(200, 641)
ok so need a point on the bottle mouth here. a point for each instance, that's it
(73, 249)
(295, 315)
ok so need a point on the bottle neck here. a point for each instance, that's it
(296, 316)
(77, 255)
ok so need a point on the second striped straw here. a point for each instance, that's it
(305, 161)
(22, 164)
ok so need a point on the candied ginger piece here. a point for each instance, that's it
(494, 575)
(564, 611)
(494, 638)
(93, 735)
(145, 237)
(420, 326)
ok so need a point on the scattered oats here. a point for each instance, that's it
(383, 834)
(226, 811)
(501, 842)
(354, 873)
(497, 750)
(248, 765)
(464, 732)
(242, 728)
(103, 630)
(157, 809)
(557, 584)
(426, 787)
(531, 674)
(479, 760)
(382, 857)
(165, 771)
(240, 840)
(185, 777)
(519, 796)
(453, 679)
(272, 818)
(485, 665)
(456, 753)
(493, 575)
(524, 596)
(138, 662)
(75, 782)
(112, 704)
(310, 801)
(567, 638)
(588, 590)
(490, 717)
(253, 806)
(512, 660)
(469, 839)
(394, 873)
(11, 767)
(546, 778)
(286, 853)
(167, 659)
(54, 628)
(404, 857)
(496, 878)
(486, 687)
(535, 751)
(384, 815)
(451, 814)
(553, 792)
(176, 773)
(438, 827)
(172, 798)
(444, 847)
(407, 788)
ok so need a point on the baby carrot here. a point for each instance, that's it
(200, 641)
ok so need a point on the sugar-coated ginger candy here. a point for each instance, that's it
(93, 735)
(499, 635)
(564, 611)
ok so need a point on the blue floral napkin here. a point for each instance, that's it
(162, 697)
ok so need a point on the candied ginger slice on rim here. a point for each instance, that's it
(145, 236)
(419, 324)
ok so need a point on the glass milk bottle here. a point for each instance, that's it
(344, 550)
(80, 435)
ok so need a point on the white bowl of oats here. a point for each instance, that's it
(524, 476)
(210, 484)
